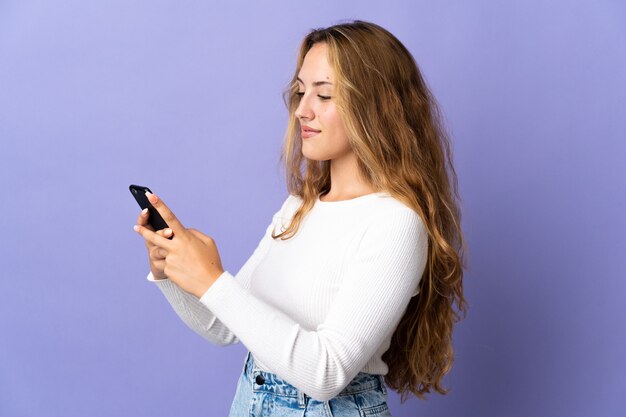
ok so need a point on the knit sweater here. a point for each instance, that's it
(320, 307)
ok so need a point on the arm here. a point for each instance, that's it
(371, 301)
(195, 314)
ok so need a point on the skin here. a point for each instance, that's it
(191, 259)
(318, 110)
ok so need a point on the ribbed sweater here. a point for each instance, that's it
(319, 307)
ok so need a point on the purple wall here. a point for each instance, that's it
(186, 98)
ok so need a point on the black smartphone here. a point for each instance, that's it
(155, 219)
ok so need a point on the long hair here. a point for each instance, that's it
(394, 127)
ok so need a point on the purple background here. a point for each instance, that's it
(185, 97)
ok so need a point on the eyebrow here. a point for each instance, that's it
(316, 83)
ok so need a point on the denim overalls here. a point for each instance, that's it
(263, 394)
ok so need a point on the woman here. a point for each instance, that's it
(358, 279)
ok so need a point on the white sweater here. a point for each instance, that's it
(322, 306)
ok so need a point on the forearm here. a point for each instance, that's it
(194, 314)
(320, 361)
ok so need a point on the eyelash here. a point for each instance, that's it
(321, 97)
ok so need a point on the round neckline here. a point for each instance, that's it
(350, 200)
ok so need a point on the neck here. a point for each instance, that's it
(346, 181)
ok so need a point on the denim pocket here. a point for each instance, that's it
(372, 402)
(377, 411)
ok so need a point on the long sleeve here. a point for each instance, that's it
(195, 314)
(375, 290)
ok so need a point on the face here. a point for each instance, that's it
(321, 128)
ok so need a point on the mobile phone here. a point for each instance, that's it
(155, 219)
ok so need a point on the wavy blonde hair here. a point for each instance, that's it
(395, 130)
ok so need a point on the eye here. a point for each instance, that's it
(299, 94)
(324, 97)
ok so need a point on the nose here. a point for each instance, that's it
(304, 110)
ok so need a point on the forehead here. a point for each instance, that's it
(315, 66)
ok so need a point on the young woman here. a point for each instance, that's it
(357, 281)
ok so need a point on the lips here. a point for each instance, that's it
(307, 132)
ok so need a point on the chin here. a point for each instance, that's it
(314, 156)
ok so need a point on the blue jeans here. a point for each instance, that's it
(263, 394)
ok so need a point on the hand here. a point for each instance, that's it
(190, 259)
(157, 262)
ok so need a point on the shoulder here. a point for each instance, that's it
(390, 210)
(289, 206)
(390, 204)
(287, 209)
(383, 206)
(395, 236)
(392, 223)
(292, 202)
(382, 214)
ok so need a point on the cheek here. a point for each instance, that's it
(333, 122)
(329, 117)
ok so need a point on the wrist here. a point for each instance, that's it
(202, 289)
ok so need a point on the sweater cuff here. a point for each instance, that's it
(217, 291)
(151, 278)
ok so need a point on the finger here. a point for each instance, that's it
(162, 232)
(169, 217)
(157, 253)
(165, 232)
(153, 238)
(142, 219)
(159, 265)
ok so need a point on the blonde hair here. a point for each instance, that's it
(395, 130)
